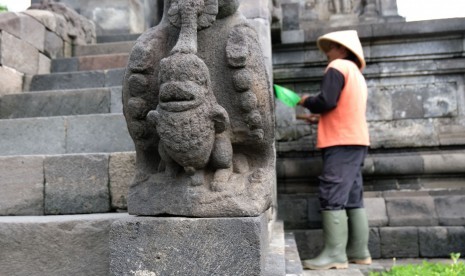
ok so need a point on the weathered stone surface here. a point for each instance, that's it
(104, 48)
(10, 22)
(275, 264)
(32, 136)
(61, 65)
(255, 9)
(11, 80)
(32, 31)
(121, 172)
(99, 62)
(45, 64)
(54, 45)
(376, 211)
(189, 246)
(310, 242)
(374, 243)
(57, 81)
(450, 209)
(292, 210)
(116, 99)
(436, 242)
(392, 134)
(446, 162)
(411, 211)
(22, 186)
(56, 245)
(97, 133)
(76, 184)
(398, 164)
(293, 262)
(195, 133)
(291, 17)
(18, 54)
(56, 103)
(114, 77)
(399, 242)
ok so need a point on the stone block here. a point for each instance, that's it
(114, 77)
(61, 65)
(103, 49)
(54, 45)
(18, 54)
(97, 133)
(291, 16)
(293, 262)
(407, 104)
(275, 257)
(121, 172)
(411, 211)
(56, 245)
(450, 209)
(11, 80)
(101, 62)
(22, 186)
(45, 64)
(32, 31)
(56, 103)
(314, 213)
(391, 134)
(444, 162)
(76, 184)
(376, 211)
(439, 242)
(292, 210)
(116, 99)
(57, 81)
(47, 18)
(252, 9)
(309, 242)
(32, 136)
(292, 36)
(399, 242)
(188, 246)
(10, 22)
(374, 243)
(398, 164)
(440, 100)
(450, 134)
(379, 105)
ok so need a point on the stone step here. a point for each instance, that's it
(89, 63)
(65, 184)
(61, 103)
(56, 245)
(292, 258)
(117, 38)
(103, 48)
(65, 134)
(77, 80)
(275, 264)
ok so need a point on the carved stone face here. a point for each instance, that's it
(184, 81)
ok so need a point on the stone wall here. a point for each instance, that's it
(28, 42)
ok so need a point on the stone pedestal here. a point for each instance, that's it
(188, 246)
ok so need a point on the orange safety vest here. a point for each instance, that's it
(346, 124)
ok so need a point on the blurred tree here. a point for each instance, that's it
(3, 8)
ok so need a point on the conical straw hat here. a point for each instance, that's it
(348, 39)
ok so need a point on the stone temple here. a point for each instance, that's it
(142, 137)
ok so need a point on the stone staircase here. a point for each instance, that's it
(66, 160)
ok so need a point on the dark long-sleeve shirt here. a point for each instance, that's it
(330, 91)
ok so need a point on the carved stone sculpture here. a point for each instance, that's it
(199, 108)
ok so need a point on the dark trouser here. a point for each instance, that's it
(341, 182)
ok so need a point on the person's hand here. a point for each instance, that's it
(310, 118)
(302, 99)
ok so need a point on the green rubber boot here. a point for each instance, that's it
(357, 246)
(335, 239)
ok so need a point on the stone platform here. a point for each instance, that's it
(189, 246)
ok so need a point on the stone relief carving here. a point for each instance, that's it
(199, 108)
